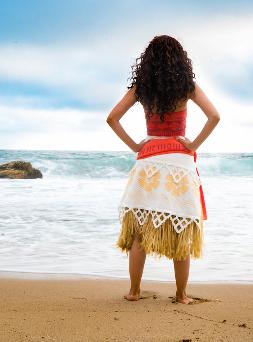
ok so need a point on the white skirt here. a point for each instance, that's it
(162, 197)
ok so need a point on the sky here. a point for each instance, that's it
(65, 64)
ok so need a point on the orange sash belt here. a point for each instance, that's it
(155, 147)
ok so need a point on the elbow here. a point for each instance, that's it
(110, 121)
(216, 118)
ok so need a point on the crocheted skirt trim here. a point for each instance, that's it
(162, 241)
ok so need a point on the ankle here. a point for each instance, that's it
(134, 290)
(181, 293)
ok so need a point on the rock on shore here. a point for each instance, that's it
(19, 169)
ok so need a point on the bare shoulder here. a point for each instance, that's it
(130, 95)
(199, 97)
(123, 105)
(196, 93)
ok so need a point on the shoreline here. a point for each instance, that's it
(67, 308)
(82, 276)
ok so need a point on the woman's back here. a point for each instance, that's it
(180, 106)
(174, 123)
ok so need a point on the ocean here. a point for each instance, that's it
(67, 222)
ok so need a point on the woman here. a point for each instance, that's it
(163, 208)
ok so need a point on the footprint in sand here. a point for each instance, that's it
(148, 294)
(196, 300)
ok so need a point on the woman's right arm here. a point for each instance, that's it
(200, 98)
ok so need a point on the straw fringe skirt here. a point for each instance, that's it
(161, 206)
(162, 241)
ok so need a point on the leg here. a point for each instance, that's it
(181, 274)
(137, 258)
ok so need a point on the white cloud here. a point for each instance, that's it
(67, 68)
(29, 120)
(68, 129)
(219, 46)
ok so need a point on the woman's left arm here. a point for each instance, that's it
(116, 114)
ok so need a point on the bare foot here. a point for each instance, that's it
(133, 295)
(183, 299)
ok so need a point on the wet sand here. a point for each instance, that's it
(87, 309)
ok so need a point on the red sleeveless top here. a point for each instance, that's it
(174, 124)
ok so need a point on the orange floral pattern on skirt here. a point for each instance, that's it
(149, 183)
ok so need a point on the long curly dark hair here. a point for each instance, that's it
(163, 76)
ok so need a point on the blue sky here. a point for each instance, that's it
(64, 65)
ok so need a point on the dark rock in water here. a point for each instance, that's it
(19, 169)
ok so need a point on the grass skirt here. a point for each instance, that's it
(162, 241)
(162, 204)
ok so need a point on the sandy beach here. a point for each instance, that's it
(89, 309)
